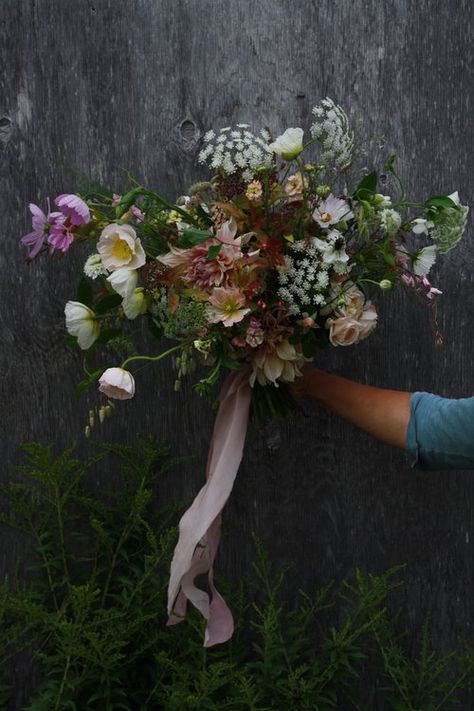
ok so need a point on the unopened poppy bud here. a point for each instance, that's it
(323, 191)
(117, 383)
(385, 284)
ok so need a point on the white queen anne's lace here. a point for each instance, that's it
(304, 281)
(333, 130)
(237, 149)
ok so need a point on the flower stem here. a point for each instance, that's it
(158, 357)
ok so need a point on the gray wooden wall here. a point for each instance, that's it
(103, 85)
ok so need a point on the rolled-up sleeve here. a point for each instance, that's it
(440, 433)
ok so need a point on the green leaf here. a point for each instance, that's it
(85, 384)
(308, 348)
(203, 215)
(107, 334)
(85, 293)
(191, 236)
(111, 301)
(389, 258)
(127, 201)
(366, 187)
(440, 201)
(213, 251)
(71, 341)
(230, 363)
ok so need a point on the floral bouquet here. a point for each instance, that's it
(251, 272)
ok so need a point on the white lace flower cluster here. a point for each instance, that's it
(93, 268)
(333, 130)
(234, 149)
(304, 281)
(390, 221)
(449, 229)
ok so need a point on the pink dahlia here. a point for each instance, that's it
(73, 207)
(205, 273)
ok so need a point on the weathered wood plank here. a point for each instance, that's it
(102, 85)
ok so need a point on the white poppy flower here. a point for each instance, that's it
(119, 246)
(123, 281)
(424, 259)
(117, 383)
(80, 322)
(289, 145)
(135, 304)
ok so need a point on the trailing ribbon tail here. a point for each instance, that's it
(199, 527)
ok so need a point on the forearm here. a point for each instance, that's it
(382, 413)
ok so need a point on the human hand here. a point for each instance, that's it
(303, 386)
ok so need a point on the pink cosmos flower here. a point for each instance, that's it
(226, 306)
(61, 236)
(73, 207)
(331, 211)
(42, 225)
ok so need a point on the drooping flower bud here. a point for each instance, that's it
(117, 383)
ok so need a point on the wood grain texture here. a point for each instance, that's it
(105, 85)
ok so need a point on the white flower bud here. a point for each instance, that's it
(80, 322)
(289, 145)
(117, 383)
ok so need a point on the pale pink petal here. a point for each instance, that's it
(201, 522)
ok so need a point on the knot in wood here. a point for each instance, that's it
(6, 129)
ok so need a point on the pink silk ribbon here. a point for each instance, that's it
(200, 525)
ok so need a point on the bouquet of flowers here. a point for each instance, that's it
(252, 272)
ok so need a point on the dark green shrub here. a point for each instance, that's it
(92, 611)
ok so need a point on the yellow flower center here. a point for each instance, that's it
(121, 249)
(229, 308)
(326, 217)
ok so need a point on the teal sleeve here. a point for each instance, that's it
(440, 432)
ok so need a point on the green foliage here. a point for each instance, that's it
(92, 610)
